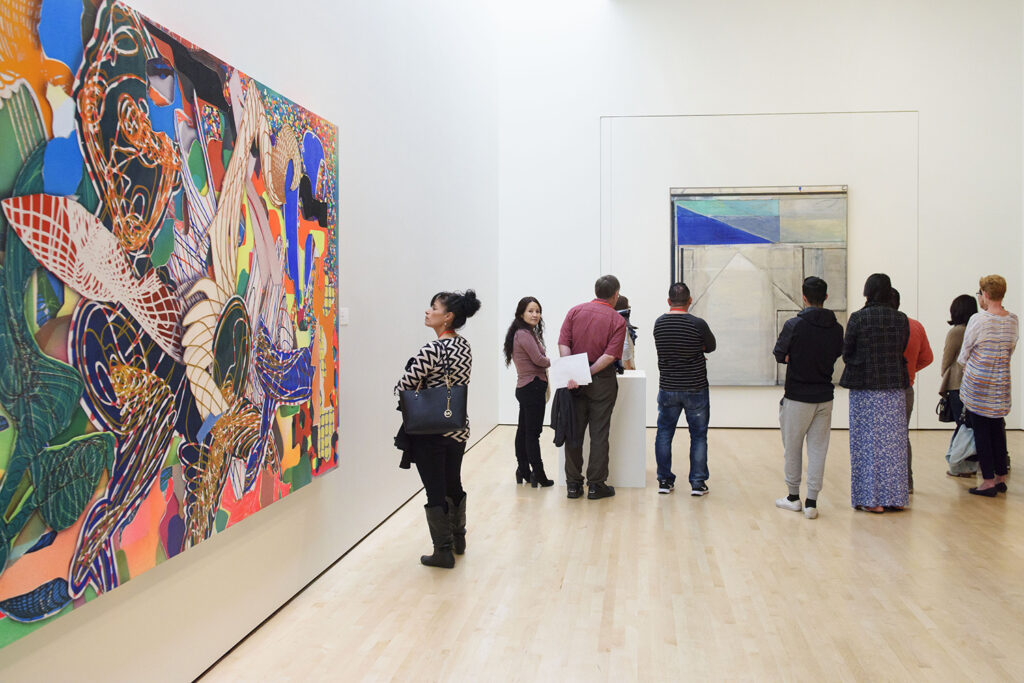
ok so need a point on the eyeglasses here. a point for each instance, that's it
(979, 293)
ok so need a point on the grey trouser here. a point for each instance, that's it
(910, 456)
(594, 403)
(797, 421)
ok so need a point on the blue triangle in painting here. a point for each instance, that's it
(693, 228)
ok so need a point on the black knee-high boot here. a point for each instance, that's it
(441, 535)
(457, 518)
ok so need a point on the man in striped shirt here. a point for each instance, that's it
(682, 339)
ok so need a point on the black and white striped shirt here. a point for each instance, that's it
(427, 369)
(682, 340)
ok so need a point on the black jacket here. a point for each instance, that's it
(813, 340)
(563, 418)
(876, 337)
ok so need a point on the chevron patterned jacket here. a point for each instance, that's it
(427, 369)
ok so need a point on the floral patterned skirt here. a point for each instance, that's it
(878, 448)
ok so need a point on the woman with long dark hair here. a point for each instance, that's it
(524, 345)
(876, 375)
(438, 457)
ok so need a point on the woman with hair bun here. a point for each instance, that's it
(876, 375)
(524, 345)
(438, 457)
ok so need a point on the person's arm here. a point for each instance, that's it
(925, 356)
(970, 340)
(781, 350)
(850, 341)
(601, 363)
(532, 347)
(950, 350)
(417, 367)
(710, 344)
(564, 350)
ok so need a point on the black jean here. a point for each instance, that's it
(990, 440)
(531, 424)
(439, 462)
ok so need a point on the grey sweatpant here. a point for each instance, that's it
(799, 421)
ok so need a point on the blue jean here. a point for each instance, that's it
(697, 406)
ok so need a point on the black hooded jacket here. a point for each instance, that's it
(813, 340)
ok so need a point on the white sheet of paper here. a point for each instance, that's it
(564, 368)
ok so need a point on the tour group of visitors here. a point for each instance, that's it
(882, 351)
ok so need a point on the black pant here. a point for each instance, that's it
(531, 424)
(990, 440)
(593, 403)
(956, 406)
(439, 462)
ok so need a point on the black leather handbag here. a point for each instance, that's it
(944, 410)
(435, 410)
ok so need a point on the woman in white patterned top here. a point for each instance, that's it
(438, 457)
(989, 341)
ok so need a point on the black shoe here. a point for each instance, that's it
(596, 491)
(988, 493)
(540, 480)
(665, 486)
(700, 489)
(1001, 487)
(441, 535)
(573, 490)
(522, 475)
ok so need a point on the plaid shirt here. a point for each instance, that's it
(876, 337)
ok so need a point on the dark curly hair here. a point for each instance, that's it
(519, 324)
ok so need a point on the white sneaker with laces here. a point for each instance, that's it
(787, 504)
(811, 513)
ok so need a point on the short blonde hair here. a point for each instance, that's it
(994, 286)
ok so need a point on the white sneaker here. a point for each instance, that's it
(811, 513)
(787, 504)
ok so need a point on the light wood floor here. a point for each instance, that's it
(653, 587)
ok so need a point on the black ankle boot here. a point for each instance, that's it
(457, 519)
(523, 474)
(539, 478)
(441, 535)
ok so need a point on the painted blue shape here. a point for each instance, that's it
(63, 165)
(312, 156)
(56, 285)
(693, 228)
(4, 424)
(162, 118)
(207, 426)
(165, 477)
(39, 603)
(44, 542)
(768, 227)
(291, 229)
(175, 536)
(60, 31)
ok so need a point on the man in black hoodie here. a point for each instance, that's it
(809, 345)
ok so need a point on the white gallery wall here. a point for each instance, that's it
(411, 87)
(915, 106)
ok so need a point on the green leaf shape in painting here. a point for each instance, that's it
(39, 392)
(65, 477)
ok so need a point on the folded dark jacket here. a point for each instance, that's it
(563, 419)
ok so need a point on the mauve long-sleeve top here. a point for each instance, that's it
(529, 358)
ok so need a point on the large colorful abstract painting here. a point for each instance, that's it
(744, 253)
(168, 347)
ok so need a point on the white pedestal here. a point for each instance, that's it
(627, 443)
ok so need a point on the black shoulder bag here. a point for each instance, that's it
(435, 410)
